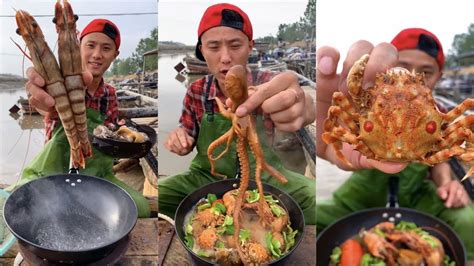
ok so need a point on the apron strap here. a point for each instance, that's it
(254, 76)
(208, 104)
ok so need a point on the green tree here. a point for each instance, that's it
(133, 63)
(146, 45)
(303, 29)
(463, 43)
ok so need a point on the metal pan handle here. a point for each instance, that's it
(392, 198)
(72, 169)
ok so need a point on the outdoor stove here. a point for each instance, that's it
(32, 259)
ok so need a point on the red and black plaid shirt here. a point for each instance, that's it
(193, 103)
(104, 101)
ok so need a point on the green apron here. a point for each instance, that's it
(54, 159)
(369, 188)
(173, 189)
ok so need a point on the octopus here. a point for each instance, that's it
(397, 120)
(245, 132)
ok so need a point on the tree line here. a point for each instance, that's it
(463, 44)
(304, 29)
(134, 63)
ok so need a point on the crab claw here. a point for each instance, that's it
(355, 77)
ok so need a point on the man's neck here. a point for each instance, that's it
(92, 88)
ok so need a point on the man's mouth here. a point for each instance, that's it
(224, 71)
(95, 64)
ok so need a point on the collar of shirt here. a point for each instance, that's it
(99, 92)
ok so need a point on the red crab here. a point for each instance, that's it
(397, 120)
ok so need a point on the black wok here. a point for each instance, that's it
(124, 149)
(219, 188)
(70, 218)
(350, 225)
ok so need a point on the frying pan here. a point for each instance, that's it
(219, 188)
(350, 225)
(124, 149)
(70, 218)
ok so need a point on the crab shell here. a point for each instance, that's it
(398, 117)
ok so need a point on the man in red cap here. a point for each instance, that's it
(430, 190)
(225, 39)
(99, 44)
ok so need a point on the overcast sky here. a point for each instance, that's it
(179, 19)
(132, 27)
(340, 23)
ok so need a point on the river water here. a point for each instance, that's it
(21, 136)
(171, 94)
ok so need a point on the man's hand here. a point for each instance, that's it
(453, 194)
(450, 191)
(179, 142)
(382, 57)
(39, 98)
(283, 100)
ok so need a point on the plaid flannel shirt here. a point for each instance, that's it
(104, 100)
(193, 103)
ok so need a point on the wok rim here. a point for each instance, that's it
(237, 181)
(36, 246)
(401, 209)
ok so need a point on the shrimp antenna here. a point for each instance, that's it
(21, 49)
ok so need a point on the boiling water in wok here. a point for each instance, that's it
(70, 213)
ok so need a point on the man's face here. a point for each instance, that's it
(224, 47)
(97, 53)
(421, 62)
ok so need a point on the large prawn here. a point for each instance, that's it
(67, 92)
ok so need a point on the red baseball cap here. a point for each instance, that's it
(421, 39)
(223, 15)
(105, 26)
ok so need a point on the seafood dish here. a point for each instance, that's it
(124, 133)
(210, 230)
(64, 80)
(387, 243)
(397, 120)
(244, 130)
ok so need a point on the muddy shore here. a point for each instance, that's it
(9, 81)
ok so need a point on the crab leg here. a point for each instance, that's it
(455, 138)
(71, 67)
(466, 122)
(348, 113)
(444, 155)
(46, 65)
(468, 155)
(341, 110)
(459, 110)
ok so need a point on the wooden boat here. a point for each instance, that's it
(195, 66)
(26, 107)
